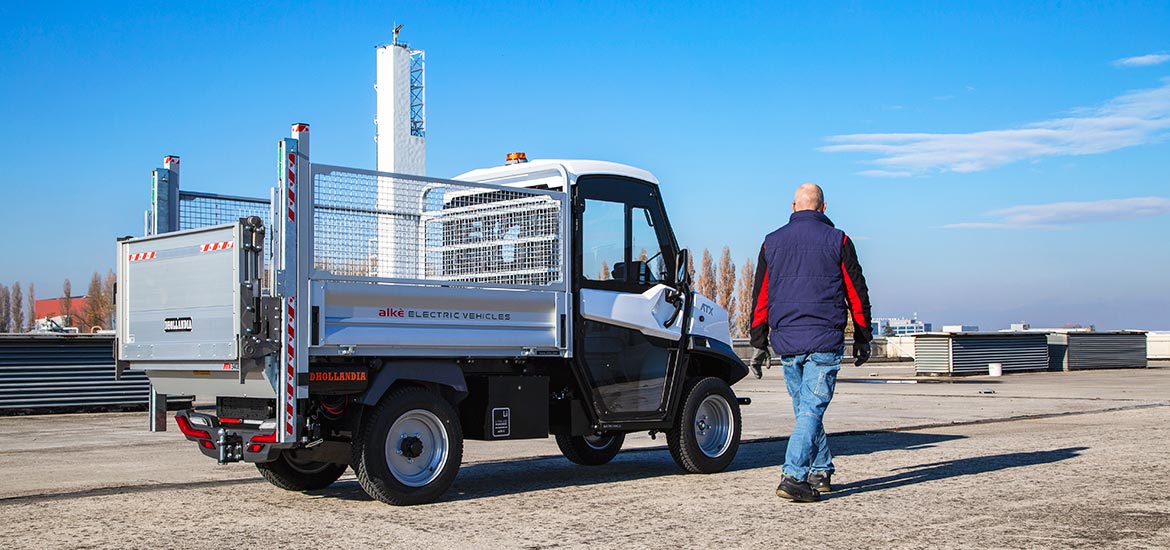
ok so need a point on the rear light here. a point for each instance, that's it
(185, 427)
(198, 421)
(230, 421)
(264, 438)
(207, 444)
(255, 448)
(268, 425)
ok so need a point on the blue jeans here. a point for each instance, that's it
(811, 378)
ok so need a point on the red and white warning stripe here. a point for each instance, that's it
(212, 247)
(139, 256)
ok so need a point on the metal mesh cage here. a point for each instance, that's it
(370, 224)
(205, 209)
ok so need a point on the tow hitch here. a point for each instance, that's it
(231, 447)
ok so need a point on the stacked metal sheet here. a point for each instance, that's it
(52, 371)
(970, 353)
(1098, 350)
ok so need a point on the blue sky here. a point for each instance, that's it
(995, 163)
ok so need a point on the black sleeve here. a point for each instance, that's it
(856, 293)
(759, 330)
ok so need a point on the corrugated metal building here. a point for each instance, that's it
(55, 371)
(970, 353)
(1097, 350)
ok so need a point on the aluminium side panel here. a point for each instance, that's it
(417, 320)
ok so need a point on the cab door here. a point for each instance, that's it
(628, 325)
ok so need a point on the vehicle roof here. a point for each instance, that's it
(572, 168)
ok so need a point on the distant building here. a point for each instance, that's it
(1025, 327)
(50, 314)
(893, 326)
(960, 328)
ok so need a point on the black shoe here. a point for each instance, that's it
(756, 371)
(796, 490)
(821, 481)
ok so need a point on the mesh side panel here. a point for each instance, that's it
(376, 225)
(202, 210)
(197, 210)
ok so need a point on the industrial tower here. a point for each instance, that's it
(401, 123)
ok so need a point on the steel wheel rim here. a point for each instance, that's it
(713, 428)
(417, 471)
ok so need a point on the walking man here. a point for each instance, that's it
(808, 282)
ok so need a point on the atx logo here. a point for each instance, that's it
(392, 312)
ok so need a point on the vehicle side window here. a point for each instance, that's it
(603, 242)
(648, 264)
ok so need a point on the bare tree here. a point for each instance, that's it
(94, 304)
(32, 308)
(67, 304)
(743, 301)
(5, 310)
(725, 285)
(17, 298)
(604, 274)
(706, 284)
(108, 293)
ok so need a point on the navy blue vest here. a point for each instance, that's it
(806, 289)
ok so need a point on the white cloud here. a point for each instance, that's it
(1143, 60)
(1048, 216)
(885, 173)
(1130, 119)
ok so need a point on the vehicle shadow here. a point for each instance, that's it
(955, 468)
(489, 479)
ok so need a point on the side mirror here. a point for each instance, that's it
(682, 274)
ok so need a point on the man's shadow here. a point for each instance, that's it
(956, 468)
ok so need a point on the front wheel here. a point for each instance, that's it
(705, 436)
(409, 447)
(591, 450)
(291, 474)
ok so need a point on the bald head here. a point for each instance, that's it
(809, 197)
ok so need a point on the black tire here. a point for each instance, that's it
(435, 438)
(591, 450)
(705, 436)
(293, 475)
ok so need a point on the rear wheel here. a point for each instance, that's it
(409, 447)
(291, 474)
(591, 450)
(705, 437)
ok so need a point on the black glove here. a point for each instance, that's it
(861, 351)
(759, 336)
(761, 357)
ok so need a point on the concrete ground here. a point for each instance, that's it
(1022, 461)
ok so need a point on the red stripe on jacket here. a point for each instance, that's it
(851, 295)
(760, 315)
